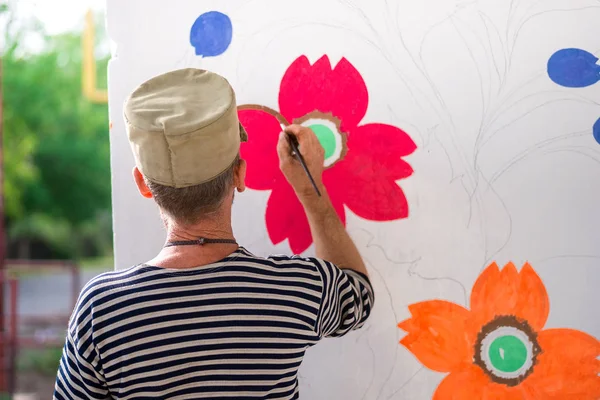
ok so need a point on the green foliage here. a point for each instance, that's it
(56, 147)
(57, 233)
(19, 169)
(44, 362)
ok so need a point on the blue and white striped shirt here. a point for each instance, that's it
(235, 329)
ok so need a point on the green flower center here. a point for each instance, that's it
(508, 353)
(326, 138)
(327, 129)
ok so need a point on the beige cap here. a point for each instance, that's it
(183, 127)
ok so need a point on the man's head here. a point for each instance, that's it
(185, 136)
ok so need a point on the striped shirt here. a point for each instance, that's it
(235, 329)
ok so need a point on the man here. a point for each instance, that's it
(206, 318)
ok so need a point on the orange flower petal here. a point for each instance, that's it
(438, 336)
(567, 368)
(533, 303)
(473, 384)
(509, 292)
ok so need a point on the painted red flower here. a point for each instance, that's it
(499, 348)
(363, 162)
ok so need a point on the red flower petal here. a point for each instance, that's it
(336, 198)
(369, 190)
(261, 149)
(437, 335)
(286, 219)
(374, 152)
(365, 179)
(377, 201)
(381, 141)
(567, 368)
(341, 91)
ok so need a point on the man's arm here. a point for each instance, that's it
(77, 376)
(347, 297)
(331, 240)
(80, 375)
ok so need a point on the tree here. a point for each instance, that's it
(57, 174)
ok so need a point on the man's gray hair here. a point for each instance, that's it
(191, 204)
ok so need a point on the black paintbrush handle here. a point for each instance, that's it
(294, 145)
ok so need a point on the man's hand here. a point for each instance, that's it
(313, 154)
(332, 242)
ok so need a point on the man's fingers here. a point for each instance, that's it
(296, 130)
(305, 136)
(302, 133)
(283, 148)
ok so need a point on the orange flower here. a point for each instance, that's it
(498, 350)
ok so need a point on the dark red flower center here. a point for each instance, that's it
(331, 137)
(507, 349)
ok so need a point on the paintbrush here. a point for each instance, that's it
(293, 141)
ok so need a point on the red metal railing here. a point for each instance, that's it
(48, 265)
(8, 337)
(12, 338)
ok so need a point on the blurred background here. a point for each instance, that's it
(57, 231)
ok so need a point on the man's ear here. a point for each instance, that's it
(239, 177)
(141, 183)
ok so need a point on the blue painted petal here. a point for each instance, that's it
(211, 34)
(597, 131)
(574, 68)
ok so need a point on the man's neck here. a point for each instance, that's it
(208, 229)
(189, 256)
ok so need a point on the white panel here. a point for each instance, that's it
(506, 166)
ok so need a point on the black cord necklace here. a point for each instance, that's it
(199, 242)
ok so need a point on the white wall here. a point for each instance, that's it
(506, 168)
